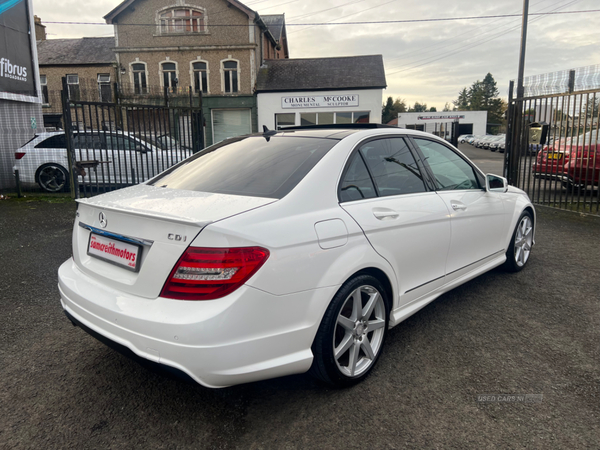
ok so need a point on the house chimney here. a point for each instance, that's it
(40, 30)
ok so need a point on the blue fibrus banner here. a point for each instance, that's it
(16, 66)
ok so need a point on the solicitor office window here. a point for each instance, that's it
(169, 75)
(284, 120)
(230, 77)
(200, 72)
(182, 20)
(104, 87)
(73, 86)
(44, 84)
(140, 85)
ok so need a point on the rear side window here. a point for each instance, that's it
(252, 166)
(56, 141)
(357, 183)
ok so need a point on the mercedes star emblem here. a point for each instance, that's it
(102, 219)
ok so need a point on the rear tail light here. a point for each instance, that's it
(19, 155)
(210, 273)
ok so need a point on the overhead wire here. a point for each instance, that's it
(476, 36)
(376, 22)
(471, 46)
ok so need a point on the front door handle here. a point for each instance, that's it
(458, 205)
(383, 214)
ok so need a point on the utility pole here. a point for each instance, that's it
(516, 143)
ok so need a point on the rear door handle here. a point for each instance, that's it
(458, 205)
(383, 214)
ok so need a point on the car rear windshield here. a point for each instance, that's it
(254, 166)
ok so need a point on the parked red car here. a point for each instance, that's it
(574, 161)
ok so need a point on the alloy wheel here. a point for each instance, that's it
(523, 240)
(359, 331)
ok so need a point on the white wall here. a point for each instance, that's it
(429, 119)
(269, 104)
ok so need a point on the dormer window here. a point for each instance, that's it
(182, 20)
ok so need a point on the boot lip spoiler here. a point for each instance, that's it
(148, 214)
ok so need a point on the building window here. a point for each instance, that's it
(104, 87)
(285, 120)
(182, 20)
(230, 76)
(328, 118)
(44, 84)
(308, 118)
(200, 76)
(343, 117)
(73, 86)
(361, 116)
(169, 75)
(140, 85)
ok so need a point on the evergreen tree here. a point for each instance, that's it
(392, 108)
(482, 96)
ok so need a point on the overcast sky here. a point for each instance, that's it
(429, 62)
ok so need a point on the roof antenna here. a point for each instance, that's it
(268, 133)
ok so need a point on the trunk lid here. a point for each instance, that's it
(139, 233)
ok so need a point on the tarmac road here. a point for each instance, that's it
(535, 332)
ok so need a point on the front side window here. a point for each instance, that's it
(44, 84)
(393, 167)
(73, 86)
(450, 171)
(104, 87)
(230, 77)
(121, 142)
(251, 166)
(169, 75)
(200, 70)
(182, 20)
(140, 85)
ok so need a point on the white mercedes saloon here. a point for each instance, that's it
(288, 251)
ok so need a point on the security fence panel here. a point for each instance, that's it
(553, 150)
(95, 146)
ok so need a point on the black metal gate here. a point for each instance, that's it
(553, 140)
(113, 145)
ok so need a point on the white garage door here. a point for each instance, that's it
(230, 123)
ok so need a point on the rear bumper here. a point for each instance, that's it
(247, 336)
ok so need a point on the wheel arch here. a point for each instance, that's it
(383, 279)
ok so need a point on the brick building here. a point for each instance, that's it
(89, 64)
(213, 46)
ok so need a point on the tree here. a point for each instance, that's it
(433, 109)
(447, 107)
(482, 96)
(418, 107)
(591, 108)
(392, 108)
(462, 102)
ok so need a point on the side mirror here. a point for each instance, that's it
(495, 183)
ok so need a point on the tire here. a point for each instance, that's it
(521, 243)
(52, 178)
(358, 337)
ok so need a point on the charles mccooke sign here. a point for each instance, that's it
(319, 101)
(16, 61)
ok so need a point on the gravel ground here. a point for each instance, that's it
(535, 332)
